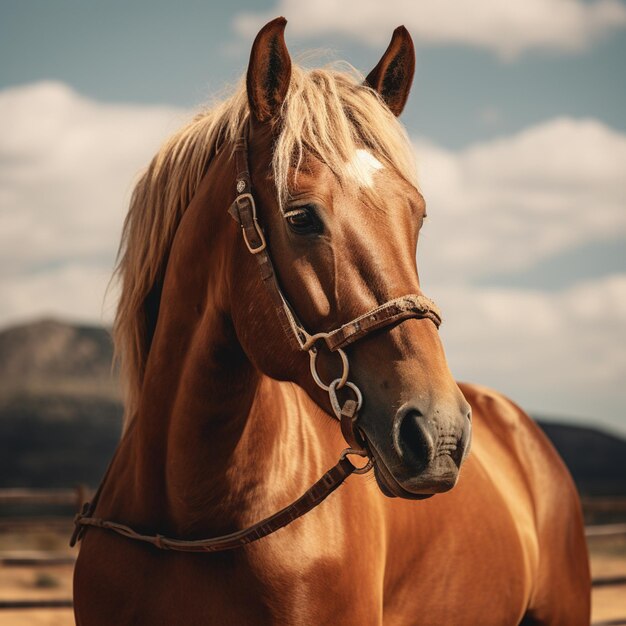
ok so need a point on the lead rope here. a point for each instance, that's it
(314, 496)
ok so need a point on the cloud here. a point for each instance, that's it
(506, 28)
(67, 165)
(507, 204)
(556, 351)
(74, 290)
(546, 350)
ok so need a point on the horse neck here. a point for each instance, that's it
(212, 436)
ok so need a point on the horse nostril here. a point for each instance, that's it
(413, 441)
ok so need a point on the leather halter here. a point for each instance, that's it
(243, 211)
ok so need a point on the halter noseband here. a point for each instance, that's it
(243, 211)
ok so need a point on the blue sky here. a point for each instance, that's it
(518, 118)
(177, 53)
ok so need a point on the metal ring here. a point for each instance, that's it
(332, 394)
(311, 339)
(340, 382)
(359, 470)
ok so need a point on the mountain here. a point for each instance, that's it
(596, 459)
(60, 404)
(61, 414)
(49, 356)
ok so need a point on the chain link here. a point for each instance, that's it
(313, 352)
(334, 401)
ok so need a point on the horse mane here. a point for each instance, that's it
(327, 111)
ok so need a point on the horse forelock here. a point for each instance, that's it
(327, 111)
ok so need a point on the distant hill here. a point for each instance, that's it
(60, 404)
(61, 412)
(596, 459)
(52, 356)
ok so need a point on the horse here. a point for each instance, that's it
(242, 340)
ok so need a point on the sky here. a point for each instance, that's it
(517, 115)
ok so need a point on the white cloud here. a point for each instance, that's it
(560, 333)
(503, 206)
(557, 352)
(74, 291)
(507, 204)
(67, 165)
(506, 28)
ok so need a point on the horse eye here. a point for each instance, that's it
(303, 220)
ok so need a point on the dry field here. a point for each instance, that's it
(608, 558)
(35, 583)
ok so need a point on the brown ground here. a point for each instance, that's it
(36, 583)
(608, 558)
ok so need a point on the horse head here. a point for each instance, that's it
(331, 171)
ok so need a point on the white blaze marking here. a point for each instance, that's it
(363, 166)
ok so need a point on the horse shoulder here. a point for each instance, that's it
(561, 588)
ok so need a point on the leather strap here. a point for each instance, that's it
(243, 211)
(349, 429)
(413, 305)
(309, 500)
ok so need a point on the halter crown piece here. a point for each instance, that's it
(243, 211)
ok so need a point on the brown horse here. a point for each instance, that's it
(225, 424)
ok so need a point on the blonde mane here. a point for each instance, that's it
(327, 111)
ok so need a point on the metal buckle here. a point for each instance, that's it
(259, 232)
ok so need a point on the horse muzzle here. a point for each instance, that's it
(426, 453)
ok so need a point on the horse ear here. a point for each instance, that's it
(269, 71)
(393, 76)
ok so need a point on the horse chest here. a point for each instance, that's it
(463, 580)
